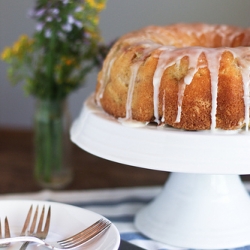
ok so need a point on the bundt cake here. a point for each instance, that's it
(188, 76)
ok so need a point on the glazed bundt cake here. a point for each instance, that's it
(188, 76)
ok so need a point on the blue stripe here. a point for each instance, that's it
(122, 218)
(241, 248)
(130, 200)
(133, 236)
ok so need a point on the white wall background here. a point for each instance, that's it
(120, 16)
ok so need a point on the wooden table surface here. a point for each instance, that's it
(90, 172)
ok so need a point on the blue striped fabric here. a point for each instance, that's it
(118, 205)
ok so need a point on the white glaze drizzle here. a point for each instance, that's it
(163, 106)
(246, 77)
(244, 63)
(104, 81)
(132, 123)
(161, 66)
(213, 59)
(182, 86)
(134, 69)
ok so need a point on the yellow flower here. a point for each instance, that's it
(16, 48)
(19, 48)
(64, 62)
(96, 5)
(17, 44)
(6, 53)
(69, 62)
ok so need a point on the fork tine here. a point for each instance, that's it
(27, 221)
(6, 233)
(6, 228)
(40, 223)
(33, 225)
(47, 222)
(1, 236)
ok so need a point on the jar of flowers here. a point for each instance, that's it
(64, 48)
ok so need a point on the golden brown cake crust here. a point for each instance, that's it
(189, 76)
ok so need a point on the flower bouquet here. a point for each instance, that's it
(64, 48)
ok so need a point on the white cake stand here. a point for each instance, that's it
(204, 204)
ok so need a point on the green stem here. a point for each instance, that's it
(48, 139)
(51, 61)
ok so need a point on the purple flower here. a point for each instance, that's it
(36, 13)
(78, 9)
(67, 27)
(39, 26)
(39, 12)
(87, 35)
(71, 19)
(49, 18)
(55, 11)
(65, 2)
(47, 33)
(78, 24)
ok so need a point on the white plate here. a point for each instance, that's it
(66, 220)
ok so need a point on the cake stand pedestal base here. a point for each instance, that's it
(206, 210)
(200, 211)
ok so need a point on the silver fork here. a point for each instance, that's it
(6, 232)
(40, 233)
(72, 242)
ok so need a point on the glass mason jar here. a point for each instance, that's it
(53, 168)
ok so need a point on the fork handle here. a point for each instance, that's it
(25, 239)
(24, 245)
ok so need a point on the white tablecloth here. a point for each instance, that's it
(118, 205)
